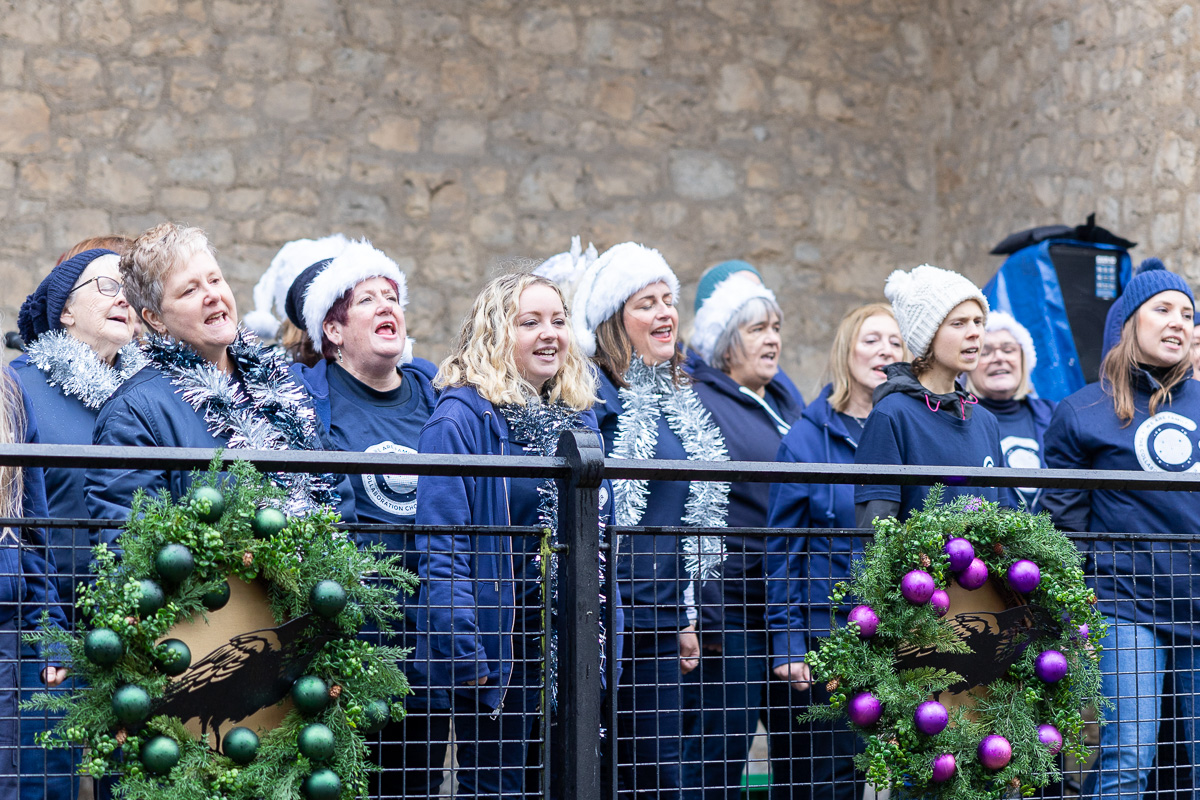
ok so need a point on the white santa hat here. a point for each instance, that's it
(720, 308)
(609, 281)
(270, 292)
(1003, 321)
(565, 268)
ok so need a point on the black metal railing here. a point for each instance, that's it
(578, 760)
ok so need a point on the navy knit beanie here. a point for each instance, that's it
(293, 306)
(714, 275)
(1152, 277)
(42, 310)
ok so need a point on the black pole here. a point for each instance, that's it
(575, 747)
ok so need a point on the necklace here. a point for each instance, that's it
(651, 394)
(74, 367)
(266, 410)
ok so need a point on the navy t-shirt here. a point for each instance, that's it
(902, 430)
(1018, 439)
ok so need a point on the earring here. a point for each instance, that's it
(339, 355)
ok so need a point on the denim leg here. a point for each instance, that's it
(733, 695)
(492, 747)
(1132, 664)
(648, 717)
(1184, 662)
(45, 772)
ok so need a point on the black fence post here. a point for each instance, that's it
(575, 746)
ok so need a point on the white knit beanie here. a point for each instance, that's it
(609, 281)
(923, 298)
(1003, 321)
(355, 264)
(270, 292)
(719, 309)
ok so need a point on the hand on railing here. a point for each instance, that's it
(689, 650)
(797, 673)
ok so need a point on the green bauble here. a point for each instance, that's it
(103, 647)
(322, 784)
(173, 656)
(241, 745)
(174, 563)
(152, 598)
(159, 755)
(315, 742)
(131, 704)
(215, 599)
(310, 694)
(375, 716)
(207, 496)
(268, 522)
(328, 598)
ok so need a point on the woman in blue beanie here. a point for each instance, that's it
(76, 328)
(1141, 415)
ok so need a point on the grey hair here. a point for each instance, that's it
(152, 256)
(753, 311)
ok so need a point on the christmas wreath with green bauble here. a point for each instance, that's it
(177, 560)
(1025, 669)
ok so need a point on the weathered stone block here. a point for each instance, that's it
(625, 177)
(699, 175)
(26, 127)
(549, 31)
(214, 167)
(289, 101)
(121, 180)
(740, 89)
(551, 183)
(459, 137)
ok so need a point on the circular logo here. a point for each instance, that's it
(603, 497)
(396, 494)
(1163, 444)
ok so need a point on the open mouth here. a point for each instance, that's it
(219, 318)
(772, 357)
(386, 329)
(121, 318)
(1001, 371)
(664, 333)
(546, 353)
(1172, 341)
(970, 353)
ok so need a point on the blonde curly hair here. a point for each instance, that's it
(485, 354)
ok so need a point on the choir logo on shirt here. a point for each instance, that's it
(1021, 452)
(988, 463)
(1163, 444)
(603, 497)
(396, 494)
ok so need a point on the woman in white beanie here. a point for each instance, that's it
(737, 337)
(1003, 383)
(625, 319)
(922, 415)
(370, 395)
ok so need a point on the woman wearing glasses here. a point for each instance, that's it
(77, 352)
(1003, 384)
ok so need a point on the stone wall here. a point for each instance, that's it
(827, 141)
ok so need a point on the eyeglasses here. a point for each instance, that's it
(109, 287)
(1009, 349)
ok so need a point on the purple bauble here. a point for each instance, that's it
(943, 768)
(865, 709)
(867, 619)
(931, 718)
(994, 752)
(940, 602)
(974, 576)
(961, 552)
(1024, 576)
(917, 586)
(1049, 736)
(1050, 666)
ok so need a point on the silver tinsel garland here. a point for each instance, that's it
(266, 410)
(649, 395)
(539, 426)
(74, 367)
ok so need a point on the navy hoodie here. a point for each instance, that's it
(737, 600)
(468, 600)
(910, 426)
(147, 411)
(652, 580)
(1085, 433)
(801, 570)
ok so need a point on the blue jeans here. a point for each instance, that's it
(648, 717)
(1134, 661)
(494, 746)
(45, 772)
(736, 688)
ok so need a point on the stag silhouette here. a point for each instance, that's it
(254, 670)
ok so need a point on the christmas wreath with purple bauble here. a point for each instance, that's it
(968, 653)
